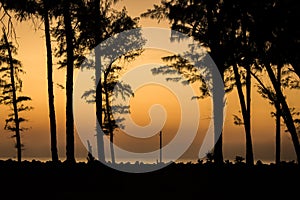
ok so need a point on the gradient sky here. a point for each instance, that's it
(32, 53)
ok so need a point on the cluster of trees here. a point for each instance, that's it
(244, 38)
(78, 27)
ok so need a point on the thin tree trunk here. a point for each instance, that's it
(69, 83)
(14, 101)
(247, 119)
(249, 151)
(218, 149)
(98, 83)
(112, 150)
(108, 115)
(218, 106)
(278, 116)
(99, 113)
(249, 147)
(50, 87)
(287, 116)
(213, 33)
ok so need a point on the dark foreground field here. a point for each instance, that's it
(46, 180)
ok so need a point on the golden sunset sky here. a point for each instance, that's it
(32, 54)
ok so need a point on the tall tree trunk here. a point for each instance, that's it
(218, 106)
(69, 83)
(108, 115)
(278, 116)
(99, 113)
(14, 100)
(98, 83)
(247, 119)
(212, 34)
(52, 117)
(249, 147)
(287, 116)
(245, 113)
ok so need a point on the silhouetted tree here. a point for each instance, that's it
(241, 58)
(278, 124)
(10, 70)
(106, 23)
(112, 86)
(69, 34)
(46, 6)
(245, 107)
(217, 25)
(109, 125)
(272, 47)
(241, 34)
(286, 32)
(64, 32)
(29, 9)
(286, 80)
(197, 20)
(94, 30)
(99, 27)
(70, 52)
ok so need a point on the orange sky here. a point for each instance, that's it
(32, 52)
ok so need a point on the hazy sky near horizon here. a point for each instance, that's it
(32, 54)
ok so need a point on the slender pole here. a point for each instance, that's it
(160, 146)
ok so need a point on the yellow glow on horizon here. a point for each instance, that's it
(144, 98)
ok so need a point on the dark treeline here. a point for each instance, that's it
(177, 180)
(246, 39)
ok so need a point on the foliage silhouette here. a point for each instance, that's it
(11, 84)
(214, 25)
(245, 38)
(108, 24)
(269, 42)
(248, 34)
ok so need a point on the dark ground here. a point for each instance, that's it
(46, 180)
